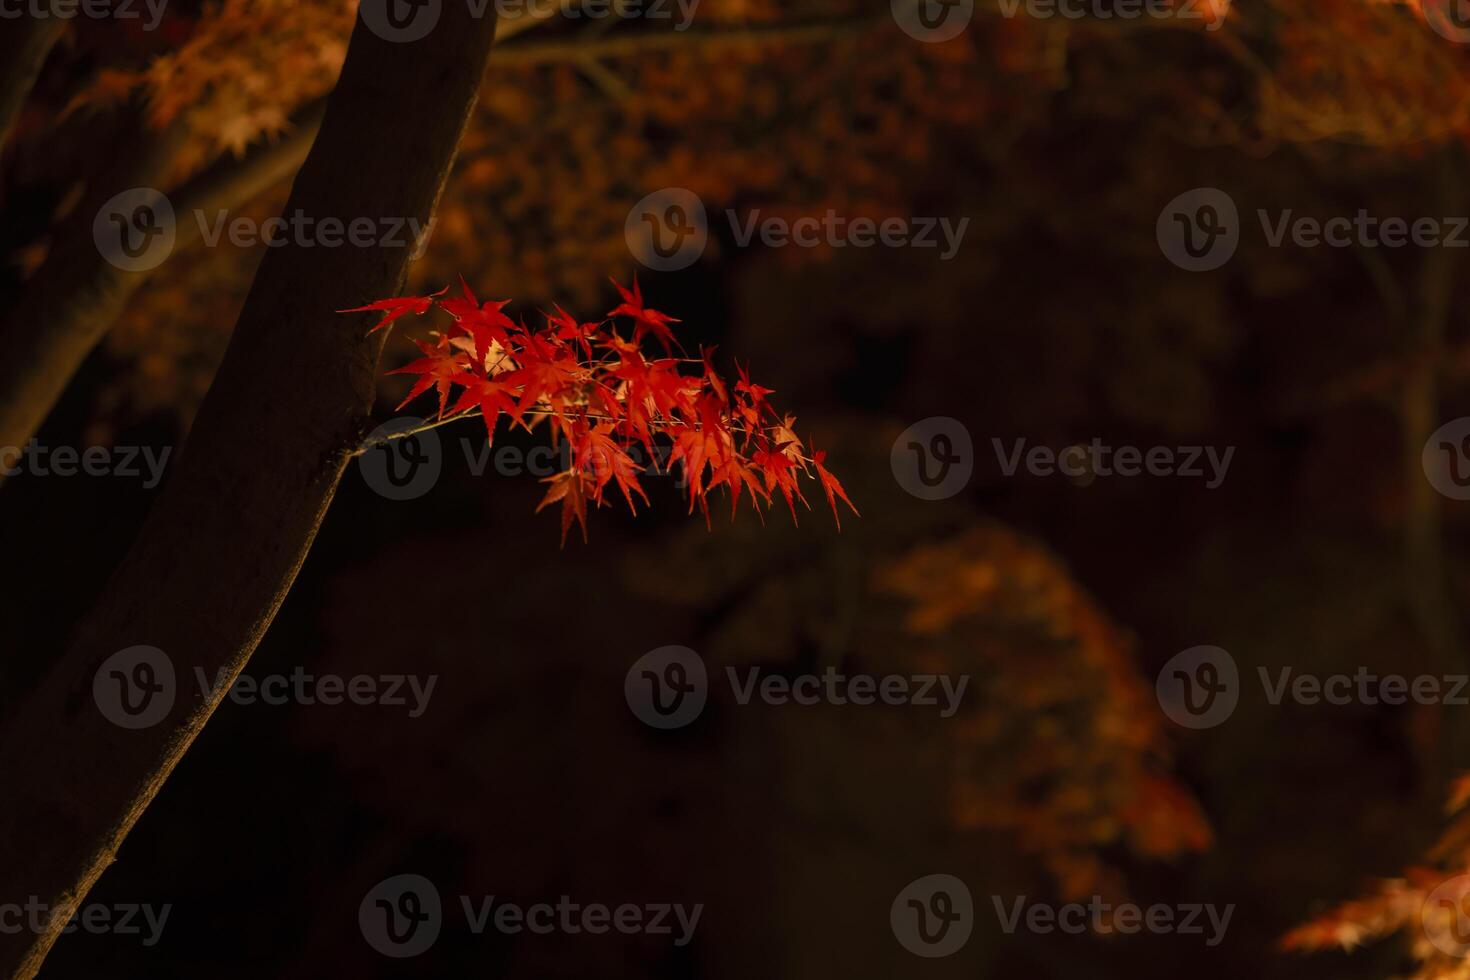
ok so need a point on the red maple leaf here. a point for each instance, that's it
(570, 488)
(438, 368)
(832, 487)
(397, 307)
(645, 321)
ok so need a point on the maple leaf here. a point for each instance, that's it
(700, 445)
(397, 307)
(438, 368)
(736, 473)
(486, 326)
(606, 461)
(755, 406)
(564, 327)
(570, 488)
(779, 471)
(545, 372)
(832, 487)
(645, 321)
(492, 396)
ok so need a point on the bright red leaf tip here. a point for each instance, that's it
(397, 307)
(833, 488)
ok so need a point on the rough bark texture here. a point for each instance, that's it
(225, 540)
(24, 44)
(77, 295)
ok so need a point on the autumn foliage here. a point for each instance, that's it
(605, 399)
(1425, 905)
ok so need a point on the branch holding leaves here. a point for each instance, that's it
(602, 396)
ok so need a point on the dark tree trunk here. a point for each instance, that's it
(223, 544)
(24, 44)
(76, 296)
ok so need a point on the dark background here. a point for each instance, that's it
(528, 777)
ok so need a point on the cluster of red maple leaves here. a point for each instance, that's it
(603, 398)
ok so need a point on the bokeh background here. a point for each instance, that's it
(1060, 320)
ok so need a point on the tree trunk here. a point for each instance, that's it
(68, 306)
(24, 44)
(227, 536)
